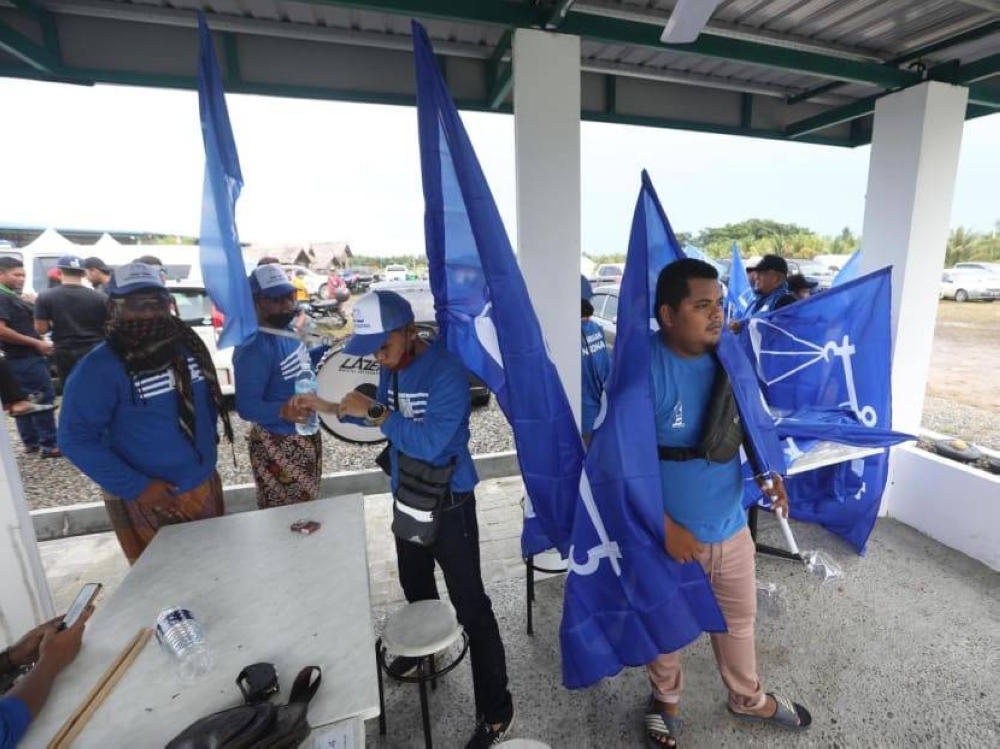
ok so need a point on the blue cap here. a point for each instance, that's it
(586, 290)
(376, 315)
(271, 281)
(70, 262)
(127, 279)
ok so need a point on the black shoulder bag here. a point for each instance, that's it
(420, 497)
(257, 726)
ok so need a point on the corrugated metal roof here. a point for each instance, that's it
(781, 49)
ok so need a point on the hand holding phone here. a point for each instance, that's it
(84, 598)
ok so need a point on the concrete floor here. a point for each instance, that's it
(905, 651)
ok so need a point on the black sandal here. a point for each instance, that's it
(662, 728)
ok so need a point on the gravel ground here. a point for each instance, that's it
(56, 482)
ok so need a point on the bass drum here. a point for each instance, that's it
(338, 374)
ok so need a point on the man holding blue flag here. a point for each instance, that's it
(699, 437)
(595, 362)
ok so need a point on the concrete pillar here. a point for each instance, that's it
(911, 185)
(547, 157)
(24, 593)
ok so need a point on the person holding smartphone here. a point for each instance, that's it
(46, 650)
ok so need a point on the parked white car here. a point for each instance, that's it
(965, 284)
(195, 308)
(394, 273)
(315, 282)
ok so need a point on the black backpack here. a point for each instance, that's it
(258, 726)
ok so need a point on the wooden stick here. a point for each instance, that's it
(100, 691)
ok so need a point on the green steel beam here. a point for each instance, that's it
(978, 70)
(499, 74)
(832, 117)
(14, 43)
(987, 29)
(232, 57)
(746, 110)
(494, 12)
(615, 31)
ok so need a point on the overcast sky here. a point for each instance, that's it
(129, 159)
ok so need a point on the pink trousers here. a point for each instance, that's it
(730, 569)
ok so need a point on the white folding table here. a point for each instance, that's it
(262, 593)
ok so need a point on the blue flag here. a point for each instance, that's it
(222, 265)
(626, 599)
(740, 292)
(850, 270)
(471, 264)
(824, 364)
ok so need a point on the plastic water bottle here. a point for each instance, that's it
(181, 636)
(305, 383)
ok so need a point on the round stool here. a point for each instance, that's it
(524, 744)
(419, 630)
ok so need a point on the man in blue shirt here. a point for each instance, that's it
(286, 465)
(594, 361)
(422, 407)
(771, 285)
(703, 516)
(50, 650)
(139, 414)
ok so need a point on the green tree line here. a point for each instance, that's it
(764, 237)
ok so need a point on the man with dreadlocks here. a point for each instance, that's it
(139, 414)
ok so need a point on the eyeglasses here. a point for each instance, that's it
(143, 304)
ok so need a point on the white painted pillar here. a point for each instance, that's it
(25, 600)
(547, 157)
(911, 185)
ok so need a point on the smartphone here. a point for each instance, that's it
(84, 598)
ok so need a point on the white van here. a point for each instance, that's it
(394, 273)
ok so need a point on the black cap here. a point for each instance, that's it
(95, 263)
(771, 262)
(798, 282)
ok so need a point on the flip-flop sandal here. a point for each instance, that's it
(790, 715)
(662, 728)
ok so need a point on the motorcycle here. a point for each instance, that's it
(328, 312)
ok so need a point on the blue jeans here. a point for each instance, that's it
(32, 374)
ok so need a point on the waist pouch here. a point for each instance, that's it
(722, 433)
(259, 726)
(419, 499)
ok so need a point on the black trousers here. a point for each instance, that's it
(457, 553)
(66, 358)
(10, 391)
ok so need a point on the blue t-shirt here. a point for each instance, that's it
(124, 434)
(14, 721)
(704, 497)
(266, 369)
(595, 365)
(432, 423)
(780, 297)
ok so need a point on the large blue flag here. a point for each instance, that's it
(824, 365)
(740, 293)
(222, 264)
(850, 270)
(472, 264)
(626, 599)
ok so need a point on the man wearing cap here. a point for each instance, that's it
(139, 414)
(286, 465)
(771, 285)
(422, 407)
(74, 314)
(594, 360)
(26, 354)
(98, 273)
(801, 286)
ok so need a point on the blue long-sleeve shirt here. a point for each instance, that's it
(123, 434)
(14, 721)
(596, 365)
(266, 369)
(432, 422)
